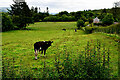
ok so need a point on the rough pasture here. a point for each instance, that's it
(18, 49)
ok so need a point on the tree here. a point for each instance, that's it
(7, 24)
(78, 14)
(116, 11)
(108, 19)
(63, 13)
(80, 23)
(104, 11)
(32, 9)
(21, 14)
(36, 10)
(47, 10)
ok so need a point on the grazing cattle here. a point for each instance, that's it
(64, 29)
(75, 30)
(41, 46)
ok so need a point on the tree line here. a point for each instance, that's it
(20, 16)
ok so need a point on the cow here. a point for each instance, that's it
(75, 30)
(64, 29)
(41, 46)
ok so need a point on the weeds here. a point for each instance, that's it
(93, 62)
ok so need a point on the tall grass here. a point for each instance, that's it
(113, 29)
(93, 62)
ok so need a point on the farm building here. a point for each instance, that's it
(96, 20)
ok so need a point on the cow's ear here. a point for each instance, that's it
(51, 41)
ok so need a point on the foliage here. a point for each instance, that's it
(21, 14)
(93, 62)
(7, 24)
(86, 23)
(57, 18)
(83, 18)
(51, 18)
(108, 19)
(37, 17)
(102, 15)
(90, 20)
(17, 48)
(80, 23)
(89, 30)
(116, 11)
(63, 13)
(98, 24)
(113, 29)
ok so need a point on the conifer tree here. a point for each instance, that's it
(21, 14)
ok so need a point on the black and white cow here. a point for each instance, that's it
(41, 46)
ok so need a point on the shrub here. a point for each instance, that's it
(58, 18)
(108, 19)
(90, 20)
(51, 18)
(7, 24)
(98, 24)
(80, 23)
(109, 29)
(90, 29)
(86, 23)
(92, 63)
(36, 17)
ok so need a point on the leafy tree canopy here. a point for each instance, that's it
(21, 14)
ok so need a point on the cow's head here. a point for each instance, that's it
(49, 43)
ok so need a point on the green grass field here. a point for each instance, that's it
(18, 44)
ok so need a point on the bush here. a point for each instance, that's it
(92, 63)
(98, 24)
(57, 18)
(36, 17)
(115, 28)
(90, 20)
(7, 24)
(108, 19)
(80, 23)
(89, 30)
(86, 23)
(51, 18)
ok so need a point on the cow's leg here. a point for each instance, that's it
(36, 53)
(41, 52)
(44, 52)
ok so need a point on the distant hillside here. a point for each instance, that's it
(4, 9)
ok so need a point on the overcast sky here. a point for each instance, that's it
(56, 6)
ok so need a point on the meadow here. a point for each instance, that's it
(18, 47)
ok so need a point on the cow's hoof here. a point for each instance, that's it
(44, 56)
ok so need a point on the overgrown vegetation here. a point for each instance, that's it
(69, 48)
(93, 62)
(22, 15)
(80, 24)
(108, 19)
(112, 29)
(7, 23)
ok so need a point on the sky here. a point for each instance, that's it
(56, 6)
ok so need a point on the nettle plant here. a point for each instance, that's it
(93, 62)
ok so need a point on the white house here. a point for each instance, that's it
(96, 20)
